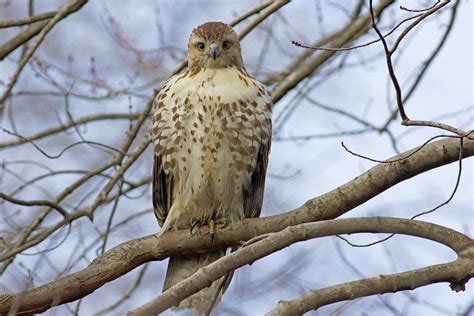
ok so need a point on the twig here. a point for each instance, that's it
(13, 200)
(127, 294)
(29, 20)
(342, 49)
(420, 10)
(67, 9)
(426, 63)
(80, 121)
(456, 186)
(320, 136)
(112, 213)
(62, 151)
(404, 157)
(388, 54)
(351, 31)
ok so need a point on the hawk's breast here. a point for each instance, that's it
(208, 127)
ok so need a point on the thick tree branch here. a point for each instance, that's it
(456, 273)
(123, 258)
(327, 206)
(461, 244)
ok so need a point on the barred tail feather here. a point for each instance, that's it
(181, 267)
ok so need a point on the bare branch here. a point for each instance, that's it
(13, 200)
(21, 38)
(100, 188)
(29, 20)
(127, 294)
(126, 257)
(427, 63)
(351, 31)
(457, 273)
(461, 244)
(68, 125)
(67, 9)
(388, 54)
(275, 6)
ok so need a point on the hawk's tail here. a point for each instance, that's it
(181, 267)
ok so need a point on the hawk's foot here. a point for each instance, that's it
(222, 222)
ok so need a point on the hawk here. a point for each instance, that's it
(211, 133)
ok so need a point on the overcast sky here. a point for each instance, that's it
(298, 170)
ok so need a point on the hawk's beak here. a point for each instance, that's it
(214, 52)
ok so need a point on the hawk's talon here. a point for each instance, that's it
(194, 223)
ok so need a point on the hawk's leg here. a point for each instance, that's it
(212, 228)
(217, 223)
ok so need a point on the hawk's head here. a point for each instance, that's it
(214, 45)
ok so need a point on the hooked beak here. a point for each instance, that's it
(214, 51)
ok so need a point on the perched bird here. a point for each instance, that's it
(211, 132)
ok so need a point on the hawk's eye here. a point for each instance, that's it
(200, 46)
(226, 45)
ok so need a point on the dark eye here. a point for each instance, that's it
(226, 45)
(200, 46)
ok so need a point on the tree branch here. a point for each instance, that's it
(13, 200)
(461, 244)
(68, 8)
(355, 28)
(275, 6)
(66, 126)
(28, 20)
(21, 38)
(127, 256)
(456, 273)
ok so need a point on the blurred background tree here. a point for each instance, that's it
(77, 79)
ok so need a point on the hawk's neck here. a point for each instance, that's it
(217, 71)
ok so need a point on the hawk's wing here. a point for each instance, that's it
(162, 188)
(253, 194)
(162, 183)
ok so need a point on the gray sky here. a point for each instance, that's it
(298, 170)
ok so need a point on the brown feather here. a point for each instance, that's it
(161, 199)
(212, 135)
(253, 194)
